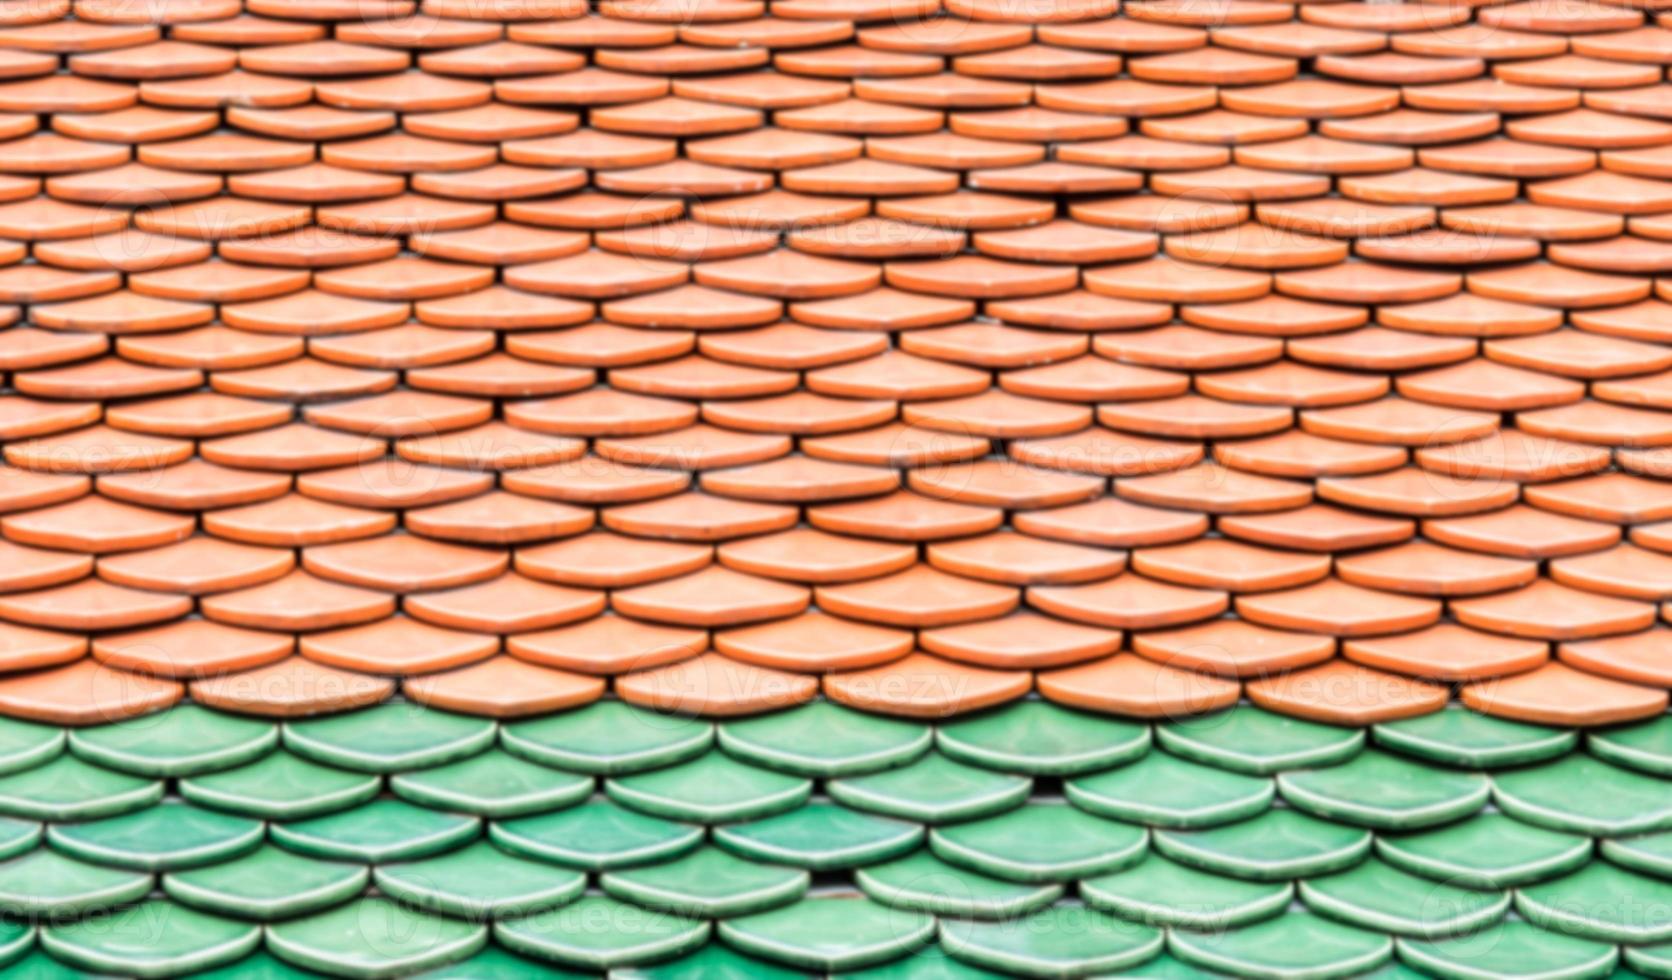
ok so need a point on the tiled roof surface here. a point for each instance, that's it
(900, 488)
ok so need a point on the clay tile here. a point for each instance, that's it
(298, 601)
(715, 685)
(1515, 455)
(697, 517)
(1187, 348)
(1343, 693)
(310, 122)
(96, 525)
(1237, 183)
(1424, 568)
(1556, 694)
(406, 346)
(510, 603)
(1639, 321)
(403, 563)
(1598, 422)
(1523, 532)
(599, 345)
(999, 483)
(919, 596)
(815, 643)
(1551, 611)
(713, 596)
(896, 444)
(904, 516)
(97, 449)
(1213, 15)
(1233, 648)
(790, 346)
(35, 568)
(1486, 385)
(420, 31)
(1093, 379)
(91, 604)
(923, 686)
(1165, 279)
(1377, 348)
(1317, 527)
(1448, 653)
(503, 687)
(1195, 417)
(397, 645)
(65, 93)
(291, 688)
(883, 309)
(84, 693)
(767, 32)
(859, 117)
(1100, 451)
(1135, 686)
(1623, 498)
(497, 519)
(1335, 606)
(1233, 566)
(191, 648)
(608, 644)
(795, 479)
(674, 116)
(1398, 421)
(1635, 657)
(1213, 66)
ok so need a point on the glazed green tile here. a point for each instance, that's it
(924, 883)
(1645, 746)
(1278, 845)
(18, 836)
(1584, 794)
(824, 740)
(281, 786)
(1460, 737)
(45, 883)
(1511, 948)
(155, 938)
(493, 784)
(37, 965)
(1488, 850)
(927, 963)
(821, 837)
(712, 788)
(599, 933)
(1601, 901)
(1064, 940)
(1258, 742)
(69, 789)
(259, 965)
(596, 836)
(1376, 789)
(1163, 790)
(183, 741)
(382, 830)
(495, 962)
(160, 838)
(1289, 947)
(1169, 967)
(25, 745)
(390, 737)
(1041, 841)
(16, 940)
(1653, 961)
(374, 937)
(707, 883)
(1379, 896)
(1651, 853)
(715, 961)
(479, 880)
(829, 933)
(1038, 738)
(267, 884)
(608, 738)
(934, 789)
(1167, 893)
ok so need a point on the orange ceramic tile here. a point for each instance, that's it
(1557, 694)
(1342, 693)
(715, 685)
(1138, 687)
(1233, 648)
(1021, 641)
(85, 693)
(923, 686)
(1550, 611)
(1337, 607)
(1425, 568)
(191, 648)
(291, 688)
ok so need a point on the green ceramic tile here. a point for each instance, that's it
(389, 737)
(47, 884)
(608, 738)
(1488, 850)
(1510, 949)
(69, 789)
(38, 965)
(16, 940)
(1376, 789)
(479, 880)
(1601, 901)
(1652, 961)
(18, 836)
(183, 741)
(1645, 746)
(493, 784)
(708, 883)
(821, 837)
(1169, 967)
(1460, 737)
(1167, 893)
(829, 933)
(1163, 790)
(1651, 853)
(595, 836)
(927, 963)
(1039, 738)
(824, 740)
(1292, 946)
(259, 965)
(382, 830)
(1258, 742)
(1585, 795)
(714, 961)
(1376, 895)
(1278, 845)
(267, 884)
(281, 786)
(25, 745)
(712, 788)
(374, 937)
(1065, 940)
(156, 938)
(164, 837)
(495, 962)
(600, 933)
(934, 789)
(1041, 842)
(925, 883)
